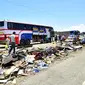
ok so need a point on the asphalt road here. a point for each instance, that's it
(67, 72)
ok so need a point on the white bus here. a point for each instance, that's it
(25, 33)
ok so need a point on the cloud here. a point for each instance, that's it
(80, 27)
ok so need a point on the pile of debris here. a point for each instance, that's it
(29, 62)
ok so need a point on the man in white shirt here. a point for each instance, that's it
(12, 43)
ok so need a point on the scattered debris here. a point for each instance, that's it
(30, 61)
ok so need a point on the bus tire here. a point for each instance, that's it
(27, 42)
(22, 42)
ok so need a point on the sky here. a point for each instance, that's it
(62, 15)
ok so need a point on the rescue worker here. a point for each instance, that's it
(12, 43)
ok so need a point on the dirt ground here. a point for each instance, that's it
(48, 75)
(58, 73)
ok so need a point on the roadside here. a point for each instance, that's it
(37, 59)
(68, 72)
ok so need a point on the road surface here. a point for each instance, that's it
(67, 72)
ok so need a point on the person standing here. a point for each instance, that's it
(12, 43)
(7, 43)
(56, 38)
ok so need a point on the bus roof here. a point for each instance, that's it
(28, 23)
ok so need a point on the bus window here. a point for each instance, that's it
(28, 27)
(42, 29)
(21, 26)
(9, 25)
(1, 23)
(15, 26)
(35, 28)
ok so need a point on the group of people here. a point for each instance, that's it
(10, 43)
(60, 38)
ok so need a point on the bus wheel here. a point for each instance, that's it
(22, 42)
(28, 42)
